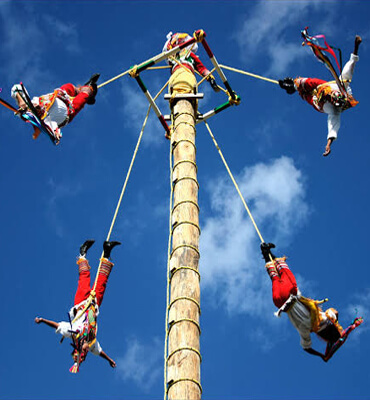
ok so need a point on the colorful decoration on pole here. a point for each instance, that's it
(198, 36)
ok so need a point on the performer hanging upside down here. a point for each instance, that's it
(184, 78)
(59, 108)
(304, 313)
(82, 330)
(326, 97)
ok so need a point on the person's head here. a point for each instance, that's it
(79, 355)
(337, 98)
(332, 332)
(175, 39)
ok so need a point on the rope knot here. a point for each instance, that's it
(133, 72)
(235, 101)
(199, 35)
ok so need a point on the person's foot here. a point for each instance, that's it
(93, 79)
(108, 246)
(214, 85)
(358, 40)
(91, 83)
(83, 249)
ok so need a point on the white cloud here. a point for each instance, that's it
(232, 269)
(141, 363)
(264, 31)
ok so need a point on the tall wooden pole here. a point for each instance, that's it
(183, 373)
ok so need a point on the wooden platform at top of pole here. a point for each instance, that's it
(184, 358)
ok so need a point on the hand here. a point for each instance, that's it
(327, 150)
(38, 320)
(112, 363)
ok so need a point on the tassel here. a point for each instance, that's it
(74, 369)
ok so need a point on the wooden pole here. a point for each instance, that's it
(183, 373)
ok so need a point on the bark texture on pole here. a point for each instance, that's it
(184, 357)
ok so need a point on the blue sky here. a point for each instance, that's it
(314, 208)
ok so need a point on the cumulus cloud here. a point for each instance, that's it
(264, 31)
(232, 269)
(141, 363)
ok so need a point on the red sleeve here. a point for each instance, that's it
(307, 85)
(198, 65)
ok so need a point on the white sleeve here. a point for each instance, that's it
(306, 341)
(16, 88)
(333, 125)
(64, 328)
(96, 348)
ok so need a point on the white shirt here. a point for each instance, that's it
(57, 113)
(64, 327)
(300, 317)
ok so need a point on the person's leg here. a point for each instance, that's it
(286, 275)
(70, 89)
(83, 288)
(104, 270)
(101, 284)
(284, 285)
(348, 69)
(358, 41)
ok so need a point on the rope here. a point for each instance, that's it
(160, 67)
(185, 201)
(113, 79)
(186, 161)
(168, 275)
(193, 321)
(250, 74)
(186, 348)
(92, 293)
(185, 298)
(184, 267)
(177, 224)
(187, 379)
(234, 182)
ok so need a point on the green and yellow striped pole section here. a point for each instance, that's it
(162, 56)
(154, 105)
(218, 69)
(218, 109)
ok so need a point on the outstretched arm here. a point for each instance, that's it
(104, 355)
(328, 147)
(52, 324)
(316, 353)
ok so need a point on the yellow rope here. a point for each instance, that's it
(113, 79)
(234, 182)
(92, 293)
(160, 67)
(250, 74)
(168, 274)
(173, 272)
